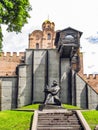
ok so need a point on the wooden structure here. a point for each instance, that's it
(68, 42)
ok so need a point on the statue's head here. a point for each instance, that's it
(54, 82)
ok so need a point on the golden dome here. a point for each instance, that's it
(47, 24)
(46, 21)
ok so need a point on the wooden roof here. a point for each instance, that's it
(69, 28)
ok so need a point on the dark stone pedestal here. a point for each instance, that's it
(49, 106)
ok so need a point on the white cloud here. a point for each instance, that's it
(89, 62)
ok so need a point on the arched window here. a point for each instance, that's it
(37, 45)
(48, 36)
(69, 38)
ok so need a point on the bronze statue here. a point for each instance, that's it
(52, 92)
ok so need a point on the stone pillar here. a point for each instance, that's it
(65, 66)
(53, 66)
(24, 85)
(39, 75)
(73, 88)
(29, 61)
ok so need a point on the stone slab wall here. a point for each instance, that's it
(46, 68)
(8, 93)
(81, 93)
(29, 57)
(41, 67)
(64, 80)
(25, 72)
(92, 99)
(53, 66)
(39, 75)
(86, 97)
(24, 85)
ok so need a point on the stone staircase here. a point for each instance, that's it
(57, 120)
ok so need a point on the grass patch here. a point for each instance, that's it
(29, 107)
(91, 117)
(15, 120)
(66, 106)
(20, 120)
(36, 106)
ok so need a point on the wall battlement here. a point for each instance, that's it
(8, 56)
(9, 62)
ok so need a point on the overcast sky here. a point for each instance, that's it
(81, 15)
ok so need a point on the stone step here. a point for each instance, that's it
(60, 123)
(58, 120)
(56, 117)
(60, 128)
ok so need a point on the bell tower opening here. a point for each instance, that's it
(37, 45)
(48, 36)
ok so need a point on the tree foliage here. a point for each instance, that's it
(14, 14)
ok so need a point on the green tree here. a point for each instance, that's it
(14, 14)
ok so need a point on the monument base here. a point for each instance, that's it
(49, 106)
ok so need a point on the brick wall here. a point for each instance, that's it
(9, 62)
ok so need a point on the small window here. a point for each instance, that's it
(69, 38)
(49, 36)
(37, 45)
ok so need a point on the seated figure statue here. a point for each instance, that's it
(52, 92)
